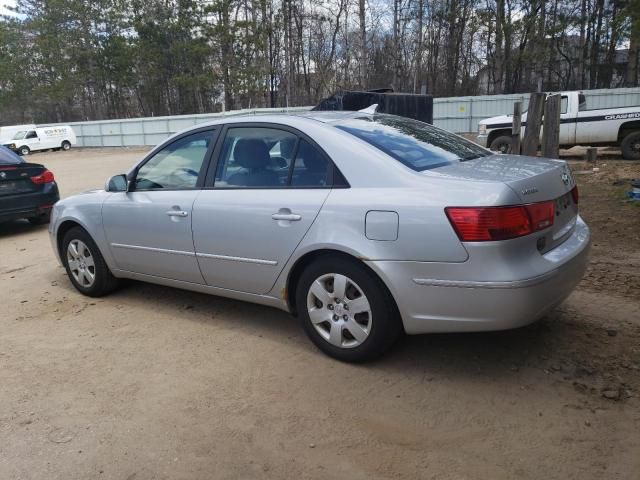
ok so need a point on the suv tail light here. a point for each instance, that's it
(44, 177)
(483, 224)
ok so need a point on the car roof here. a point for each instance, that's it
(288, 118)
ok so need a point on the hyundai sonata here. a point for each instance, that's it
(365, 226)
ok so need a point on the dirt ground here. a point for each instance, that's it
(156, 383)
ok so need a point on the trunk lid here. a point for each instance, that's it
(16, 179)
(533, 179)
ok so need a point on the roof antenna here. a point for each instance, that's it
(370, 110)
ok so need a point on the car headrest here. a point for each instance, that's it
(251, 153)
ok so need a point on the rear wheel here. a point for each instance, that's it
(85, 265)
(630, 146)
(66, 145)
(501, 144)
(346, 310)
(24, 150)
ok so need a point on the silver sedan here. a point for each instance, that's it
(365, 226)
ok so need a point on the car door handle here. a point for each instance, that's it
(177, 213)
(291, 217)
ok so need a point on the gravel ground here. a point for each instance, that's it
(156, 383)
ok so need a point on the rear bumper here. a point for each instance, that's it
(430, 304)
(28, 205)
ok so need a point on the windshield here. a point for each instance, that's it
(417, 145)
(20, 135)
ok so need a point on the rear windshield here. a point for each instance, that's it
(7, 157)
(417, 145)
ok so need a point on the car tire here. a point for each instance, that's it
(24, 151)
(65, 146)
(630, 146)
(338, 331)
(501, 144)
(42, 219)
(85, 265)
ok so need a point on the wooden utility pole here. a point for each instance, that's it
(516, 128)
(531, 138)
(551, 130)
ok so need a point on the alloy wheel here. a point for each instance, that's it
(81, 263)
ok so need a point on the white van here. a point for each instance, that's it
(7, 133)
(43, 138)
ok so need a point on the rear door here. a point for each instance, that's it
(149, 228)
(262, 195)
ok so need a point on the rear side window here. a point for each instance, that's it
(7, 157)
(311, 168)
(262, 157)
(255, 157)
(417, 145)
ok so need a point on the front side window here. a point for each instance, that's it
(177, 166)
(31, 134)
(582, 102)
(417, 145)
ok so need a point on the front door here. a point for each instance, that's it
(149, 228)
(269, 187)
(32, 140)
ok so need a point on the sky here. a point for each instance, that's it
(3, 4)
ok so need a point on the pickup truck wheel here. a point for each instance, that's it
(630, 146)
(501, 144)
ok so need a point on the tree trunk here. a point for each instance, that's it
(363, 45)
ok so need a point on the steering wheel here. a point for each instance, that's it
(181, 176)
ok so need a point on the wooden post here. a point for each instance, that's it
(551, 130)
(531, 138)
(516, 127)
(592, 154)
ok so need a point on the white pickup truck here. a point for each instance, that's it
(578, 126)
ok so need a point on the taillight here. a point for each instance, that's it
(575, 195)
(44, 177)
(482, 224)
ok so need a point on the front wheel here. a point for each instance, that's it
(630, 146)
(501, 144)
(24, 151)
(66, 145)
(85, 265)
(346, 310)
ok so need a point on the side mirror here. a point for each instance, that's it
(117, 183)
